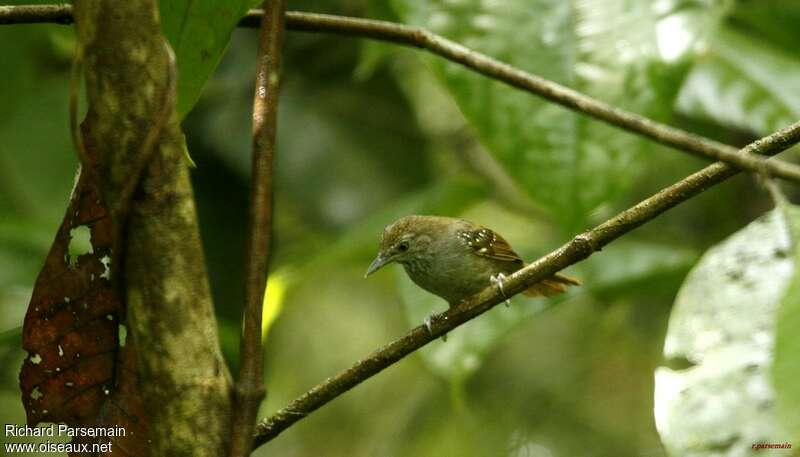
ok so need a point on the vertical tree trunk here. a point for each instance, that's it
(134, 144)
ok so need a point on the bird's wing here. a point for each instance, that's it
(487, 243)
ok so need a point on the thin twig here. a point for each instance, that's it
(250, 388)
(569, 98)
(421, 38)
(579, 248)
(36, 14)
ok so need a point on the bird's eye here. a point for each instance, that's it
(403, 247)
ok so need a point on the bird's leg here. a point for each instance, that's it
(498, 279)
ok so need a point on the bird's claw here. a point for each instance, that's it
(498, 279)
(428, 321)
(428, 325)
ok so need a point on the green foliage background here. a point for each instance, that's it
(369, 132)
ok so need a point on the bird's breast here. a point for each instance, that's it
(453, 277)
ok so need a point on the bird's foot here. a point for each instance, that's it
(428, 320)
(498, 279)
(428, 325)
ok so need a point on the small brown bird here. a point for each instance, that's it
(454, 258)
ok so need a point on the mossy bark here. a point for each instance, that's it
(134, 144)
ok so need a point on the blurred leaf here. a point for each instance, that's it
(722, 329)
(362, 131)
(11, 337)
(229, 336)
(37, 164)
(374, 53)
(273, 301)
(631, 54)
(627, 263)
(361, 242)
(199, 31)
(772, 20)
(786, 368)
(744, 83)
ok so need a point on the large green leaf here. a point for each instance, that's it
(628, 263)
(630, 54)
(786, 367)
(199, 31)
(716, 397)
(744, 83)
(774, 21)
(37, 164)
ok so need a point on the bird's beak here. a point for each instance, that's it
(379, 262)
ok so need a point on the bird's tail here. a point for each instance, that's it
(554, 285)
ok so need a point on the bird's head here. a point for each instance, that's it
(404, 240)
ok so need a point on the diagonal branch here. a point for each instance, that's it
(36, 14)
(577, 249)
(421, 38)
(250, 388)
